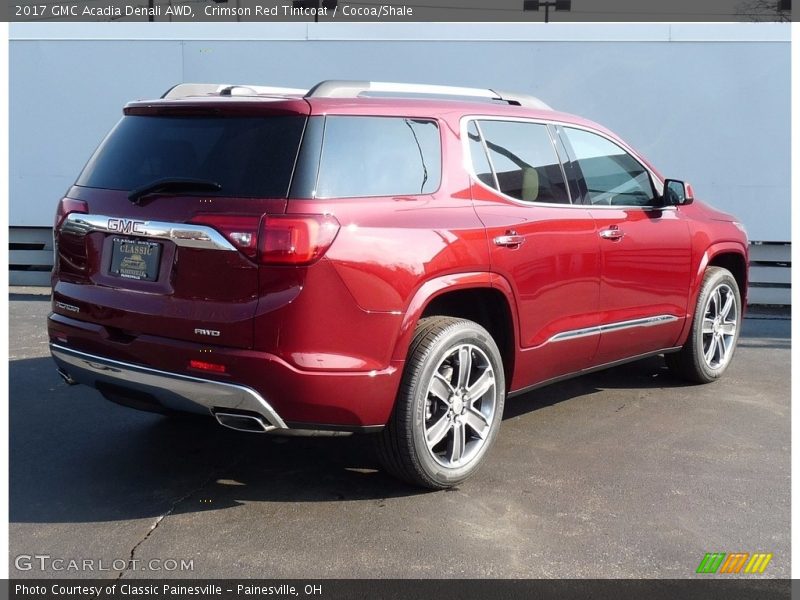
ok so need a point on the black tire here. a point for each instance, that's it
(690, 362)
(436, 350)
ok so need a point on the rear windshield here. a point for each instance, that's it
(246, 156)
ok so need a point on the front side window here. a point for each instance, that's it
(378, 156)
(612, 176)
(525, 163)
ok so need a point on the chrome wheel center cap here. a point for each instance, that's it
(458, 404)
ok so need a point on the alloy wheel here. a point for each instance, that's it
(719, 326)
(460, 406)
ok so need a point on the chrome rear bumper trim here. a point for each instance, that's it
(173, 390)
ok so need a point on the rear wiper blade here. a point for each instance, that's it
(173, 184)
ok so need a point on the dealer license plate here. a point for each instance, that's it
(135, 259)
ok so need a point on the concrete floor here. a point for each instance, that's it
(624, 473)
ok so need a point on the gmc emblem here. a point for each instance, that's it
(126, 226)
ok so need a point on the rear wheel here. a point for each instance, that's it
(449, 407)
(715, 330)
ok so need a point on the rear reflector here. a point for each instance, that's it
(206, 366)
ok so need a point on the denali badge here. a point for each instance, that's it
(211, 332)
(126, 226)
(69, 307)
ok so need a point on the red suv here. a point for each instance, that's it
(385, 258)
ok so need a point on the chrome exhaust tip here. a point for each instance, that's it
(243, 422)
(67, 377)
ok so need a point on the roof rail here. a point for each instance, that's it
(185, 90)
(353, 89)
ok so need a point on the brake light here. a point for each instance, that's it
(295, 239)
(241, 231)
(66, 206)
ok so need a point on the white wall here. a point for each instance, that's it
(706, 103)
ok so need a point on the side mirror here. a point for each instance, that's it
(677, 193)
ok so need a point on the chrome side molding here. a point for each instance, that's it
(187, 235)
(598, 329)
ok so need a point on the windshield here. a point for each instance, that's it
(246, 156)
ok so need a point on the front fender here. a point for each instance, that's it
(712, 251)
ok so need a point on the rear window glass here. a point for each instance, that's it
(525, 161)
(379, 156)
(246, 156)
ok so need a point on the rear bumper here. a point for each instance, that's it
(170, 390)
(286, 397)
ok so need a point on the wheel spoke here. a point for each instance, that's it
(708, 325)
(717, 301)
(726, 308)
(464, 366)
(437, 431)
(712, 349)
(728, 328)
(482, 385)
(441, 388)
(720, 348)
(724, 346)
(477, 422)
(457, 443)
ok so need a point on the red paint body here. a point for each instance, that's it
(326, 343)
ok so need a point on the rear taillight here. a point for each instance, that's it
(241, 231)
(276, 239)
(67, 206)
(295, 239)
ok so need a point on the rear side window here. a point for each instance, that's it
(379, 156)
(525, 162)
(246, 156)
(613, 177)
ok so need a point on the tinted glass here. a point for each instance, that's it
(480, 164)
(612, 176)
(525, 161)
(379, 156)
(247, 156)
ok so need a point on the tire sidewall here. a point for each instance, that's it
(462, 333)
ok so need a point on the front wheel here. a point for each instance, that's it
(449, 407)
(715, 330)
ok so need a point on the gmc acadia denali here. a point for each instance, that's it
(375, 257)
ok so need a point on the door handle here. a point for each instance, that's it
(612, 233)
(510, 240)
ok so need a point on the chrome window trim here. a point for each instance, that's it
(609, 327)
(464, 124)
(187, 235)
